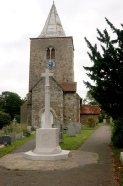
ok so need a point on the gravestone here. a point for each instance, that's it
(59, 126)
(111, 120)
(29, 128)
(78, 127)
(104, 120)
(71, 129)
(14, 121)
(13, 136)
(5, 139)
(19, 135)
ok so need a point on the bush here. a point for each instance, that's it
(91, 121)
(117, 134)
(17, 117)
(17, 128)
(100, 118)
(5, 119)
(26, 133)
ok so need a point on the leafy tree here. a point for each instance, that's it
(89, 100)
(107, 71)
(10, 103)
(1, 103)
(5, 119)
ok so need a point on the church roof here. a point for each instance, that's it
(53, 26)
(68, 86)
(87, 109)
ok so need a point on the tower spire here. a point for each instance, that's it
(53, 26)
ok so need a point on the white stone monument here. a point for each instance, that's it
(47, 138)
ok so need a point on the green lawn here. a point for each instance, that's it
(70, 143)
(7, 149)
(73, 143)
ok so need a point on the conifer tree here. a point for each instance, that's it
(107, 71)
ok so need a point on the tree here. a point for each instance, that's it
(89, 100)
(10, 103)
(5, 119)
(107, 71)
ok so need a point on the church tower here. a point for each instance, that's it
(54, 50)
(52, 47)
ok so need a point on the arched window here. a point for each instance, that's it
(50, 53)
(53, 53)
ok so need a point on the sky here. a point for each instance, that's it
(21, 20)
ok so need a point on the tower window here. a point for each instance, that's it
(50, 53)
(53, 53)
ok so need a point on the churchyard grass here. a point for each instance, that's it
(73, 143)
(8, 148)
(70, 143)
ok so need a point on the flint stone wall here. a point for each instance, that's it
(63, 70)
(38, 101)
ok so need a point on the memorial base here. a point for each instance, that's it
(47, 146)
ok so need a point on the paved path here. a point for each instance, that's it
(95, 173)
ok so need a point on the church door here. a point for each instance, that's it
(43, 119)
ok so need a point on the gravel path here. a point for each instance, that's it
(99, 173)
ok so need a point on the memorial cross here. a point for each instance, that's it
(47, 74)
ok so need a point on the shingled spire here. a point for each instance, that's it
(53, 26)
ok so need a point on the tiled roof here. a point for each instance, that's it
(68, 87)
(90, 109)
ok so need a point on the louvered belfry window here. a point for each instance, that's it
(50, 53)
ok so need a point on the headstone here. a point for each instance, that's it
(65, 129)
(59, 126)
(111, 120)
(29, 128)
(6, 139)
(14, 121)
(78, 127)
(19, 135)
(13, 136)
(71, 129)
(104, 120)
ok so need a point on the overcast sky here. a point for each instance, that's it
(24, 19)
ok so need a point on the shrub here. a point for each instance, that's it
(5, 119)
(117, 134)
(17, 117)
(26, 133)
(17, 128)
(91, 121)
(100, 118)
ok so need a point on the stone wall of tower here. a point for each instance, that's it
(64, 68)
(71, 107)
(38, 102)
